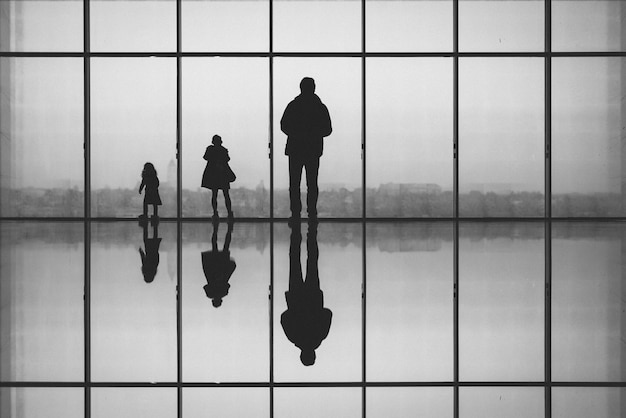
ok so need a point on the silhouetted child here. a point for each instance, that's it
(217, 174)
(150, 181)
(150, 257)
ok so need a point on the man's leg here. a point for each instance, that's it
(295, 175)
(312, 171)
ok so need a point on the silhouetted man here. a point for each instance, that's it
(306, 322)
(306, 122)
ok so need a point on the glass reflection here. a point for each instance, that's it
(501, 302)
(306, 322)
(587, 402)
(41, 301)
(588, 271)
(225, 303)
(513, 402)
(409, 302)
(133, 314)
(226, 402)
(42, 402)
(334, 262)
(402, 402)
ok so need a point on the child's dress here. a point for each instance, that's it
(217, 174)
(152, 196)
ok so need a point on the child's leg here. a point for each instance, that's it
(229, 207)
(145, 208)
(156, 210)
(214, 201)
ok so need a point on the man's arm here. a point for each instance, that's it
(326, 125)
(286, 121)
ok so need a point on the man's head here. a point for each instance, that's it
(216, 140)
(307, 357)
(307, 85)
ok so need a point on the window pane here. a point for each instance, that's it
(409, 137)
(501, 25)
(226, 402)
(227, 97)
(41, 125)
(317, 25)
(226, 277)
(42, 402)
(588, 145)
(501, 302)
(409, 302)
(41, 25)
(402, 402)
(41, 291)
(588, 269)
(133, 25)
(501, 139)
(133, 302)
(587, 402)
(133, 121)
(317, 402)
(338, 84)
(588, 25)
(501, 402)
(409, 25)
(329, 264)
(223, 25)
(133, 402)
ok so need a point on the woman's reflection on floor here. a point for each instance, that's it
(218, 266)
(150, 256)
(306, 321)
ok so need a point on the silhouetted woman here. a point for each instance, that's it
(218, 267)
(218, 175)
(150, 181)
(150, 257)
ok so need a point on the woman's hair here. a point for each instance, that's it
(148, 170)
(216, 140)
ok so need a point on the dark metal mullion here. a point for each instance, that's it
(364, 208)
(455, 186)
(179, 212)
(548, 210)
(271, 208)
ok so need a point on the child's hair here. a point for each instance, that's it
(148, 170)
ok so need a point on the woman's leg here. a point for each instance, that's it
(145, 208)
(156, 210)
(229, 206)
(214, 201)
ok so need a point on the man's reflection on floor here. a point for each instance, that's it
(218, 267)
(150, 256)
(306, 321)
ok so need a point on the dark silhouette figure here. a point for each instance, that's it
(306, 122)
(218, 267)
(306, 321)
(150, 181)
(150, 257)
(217, 174)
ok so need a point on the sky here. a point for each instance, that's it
(408, 101)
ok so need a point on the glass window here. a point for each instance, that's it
(226, 402)
(402, 402)
(227, 97)
(409, 137)
(338, 84)
(587, 305)
(222, 25)
(317, 25)
(586, 402)
(41, 126)
(317, 267)
(317, 402)
(501, 302)
(133, 121)
(588, 145)
(588, 25)
(501, 25)
(133, 25)
(42, 402)
(408, 25)
(133, 402)
(42, 269)
(501, 402)
(501, 137)
(133, 302)
(41, 25)
(409, 302)
(226, 279)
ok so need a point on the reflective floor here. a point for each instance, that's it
(376, 319)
